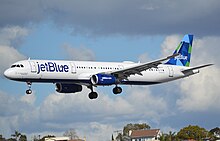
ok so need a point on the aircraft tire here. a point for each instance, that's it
(117, 90)
(93, 95)
(29, 91)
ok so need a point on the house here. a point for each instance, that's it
(145, 135)
(61, 139)
(57, 139)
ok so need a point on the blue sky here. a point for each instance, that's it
(108, 31)
(50, 38)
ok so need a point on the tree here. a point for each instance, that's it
(16, 135)
(136, 126)
(163, 137)
(11, 139)
(1, 138)
(171, 136)
(192, 132)
(119, 137)
(23, 138)
(215, 133)
(71, 133)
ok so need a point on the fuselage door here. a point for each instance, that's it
(170, 68)
(73, 67)
(120, 67)
(33, 66)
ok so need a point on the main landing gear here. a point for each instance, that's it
(117, 90)
(93, 95)
(29, 91)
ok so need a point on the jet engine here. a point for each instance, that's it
(103, 79)
(68, 88)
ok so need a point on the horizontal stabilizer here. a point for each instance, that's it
(195, 68)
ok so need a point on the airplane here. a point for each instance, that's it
(69, 76)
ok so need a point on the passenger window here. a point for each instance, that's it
(18, 66)
(22, 65)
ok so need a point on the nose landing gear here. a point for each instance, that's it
(29, 91)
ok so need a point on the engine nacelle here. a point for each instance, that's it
(68, 88)
(103, 79)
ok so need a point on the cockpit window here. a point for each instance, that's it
(13, 66)
(17, 66)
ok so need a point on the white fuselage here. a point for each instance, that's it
(80, 72)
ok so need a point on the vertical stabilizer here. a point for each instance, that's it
(184, 49)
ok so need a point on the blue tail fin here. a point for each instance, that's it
(184, 49)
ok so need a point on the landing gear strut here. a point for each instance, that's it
(92, 94)
(29, 91)
(117, 90)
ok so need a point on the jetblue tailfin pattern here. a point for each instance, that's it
(184, 49)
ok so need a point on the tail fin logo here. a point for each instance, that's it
(184, 49)
(181, 57)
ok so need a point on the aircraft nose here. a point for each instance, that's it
(8, 73)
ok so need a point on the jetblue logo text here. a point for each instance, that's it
(181, 57)
(52, 67)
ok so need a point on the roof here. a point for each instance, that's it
(144, 133)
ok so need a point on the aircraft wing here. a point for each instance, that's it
(137, 69)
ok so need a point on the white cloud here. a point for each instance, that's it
(145, 104)
(169, 44)
(12, 35)
(81, 53)
(95, 119)
(104, 108)
(96, 131)
(14, 113)
(199, 92)
(101, 116)
(10, 39)
(8, 55)
(30, 99)
(144, 57)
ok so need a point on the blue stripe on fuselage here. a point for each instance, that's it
(83, 81)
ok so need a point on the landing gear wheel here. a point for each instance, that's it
(117, 90)
(93, 95)
(29, 91)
